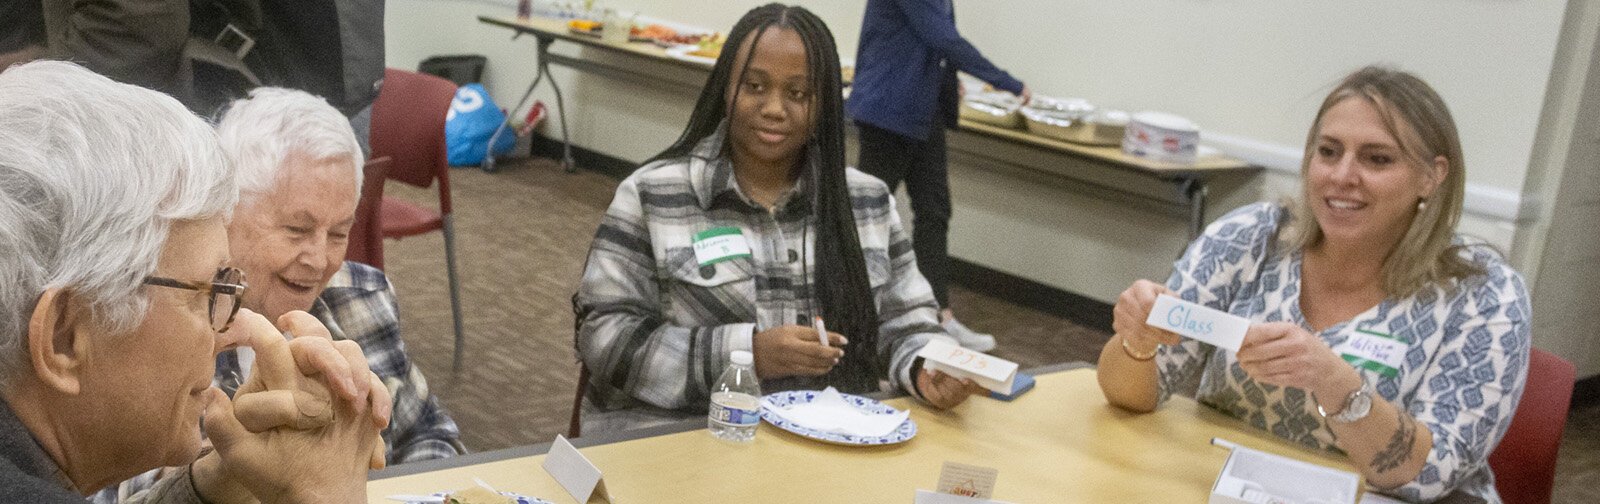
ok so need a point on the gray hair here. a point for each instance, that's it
(92, 175)
(260, 133)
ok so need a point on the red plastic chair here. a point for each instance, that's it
(1524, 464)
(366, 236)
(408, 126)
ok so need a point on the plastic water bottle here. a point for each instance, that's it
(736, 401)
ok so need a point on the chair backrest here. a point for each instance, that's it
(1524, 463)
(366, 236)
(408, 125)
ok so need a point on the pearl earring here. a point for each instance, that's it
(1422, 204)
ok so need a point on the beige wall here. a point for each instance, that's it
(1250, 72)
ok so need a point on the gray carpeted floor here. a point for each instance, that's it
(522, 234)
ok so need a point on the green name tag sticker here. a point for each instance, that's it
(720, 244)
(1375, 351)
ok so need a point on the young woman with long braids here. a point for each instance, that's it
(743, 230)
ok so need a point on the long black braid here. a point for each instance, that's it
(841, 287)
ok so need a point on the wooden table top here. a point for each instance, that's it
(1060, 442)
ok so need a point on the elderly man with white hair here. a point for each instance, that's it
(115, 297)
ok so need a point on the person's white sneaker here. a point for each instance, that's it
(969, 339)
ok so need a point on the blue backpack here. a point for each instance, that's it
(472, 119)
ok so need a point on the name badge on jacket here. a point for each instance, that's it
(1374, 351)
(720, 244)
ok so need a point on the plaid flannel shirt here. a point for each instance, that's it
(658, 327)
(357, 304)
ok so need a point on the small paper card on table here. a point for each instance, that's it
(574, 471)
(967, 480)
(1218, 328)
(988, 371)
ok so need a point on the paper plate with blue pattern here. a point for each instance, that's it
(901, 434)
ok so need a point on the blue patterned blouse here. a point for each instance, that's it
(1462, 376)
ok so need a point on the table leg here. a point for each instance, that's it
(1194, 189)
(488, 157)
(561, 112)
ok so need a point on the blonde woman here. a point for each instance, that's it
(1376, 330)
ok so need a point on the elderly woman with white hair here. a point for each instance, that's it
(116, 294)
(1376, 331)
(300, 171)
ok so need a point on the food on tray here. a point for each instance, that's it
(682, 39)
(652, 32)
(477, 495)
(585, 25)
(664, 36)
(710, 47)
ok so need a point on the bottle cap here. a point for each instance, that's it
(742, 358)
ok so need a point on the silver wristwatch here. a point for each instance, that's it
(1356, 405)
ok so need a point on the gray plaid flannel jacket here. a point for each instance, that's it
(657, 327)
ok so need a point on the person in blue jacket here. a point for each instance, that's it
(905, 93)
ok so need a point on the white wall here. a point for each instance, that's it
(627, 121)
(1258, 68)
(1565, 185)
(1250, 72)
(1250, 69)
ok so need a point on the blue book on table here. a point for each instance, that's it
(1022, 383)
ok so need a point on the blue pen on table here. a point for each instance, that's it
(822, 330)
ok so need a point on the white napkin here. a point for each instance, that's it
(830, 413)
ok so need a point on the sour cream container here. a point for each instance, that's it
(1160, 136)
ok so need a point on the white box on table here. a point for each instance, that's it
(1257, 477)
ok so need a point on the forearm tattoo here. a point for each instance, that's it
(1399, 448)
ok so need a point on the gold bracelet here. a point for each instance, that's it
(1128, 349)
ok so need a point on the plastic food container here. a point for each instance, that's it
(1101, 127)
(1057, 118)
(1104, 127)
(992, 108)
(1162, 137)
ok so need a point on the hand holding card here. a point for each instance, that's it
(987, 371)
(1208, 325)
